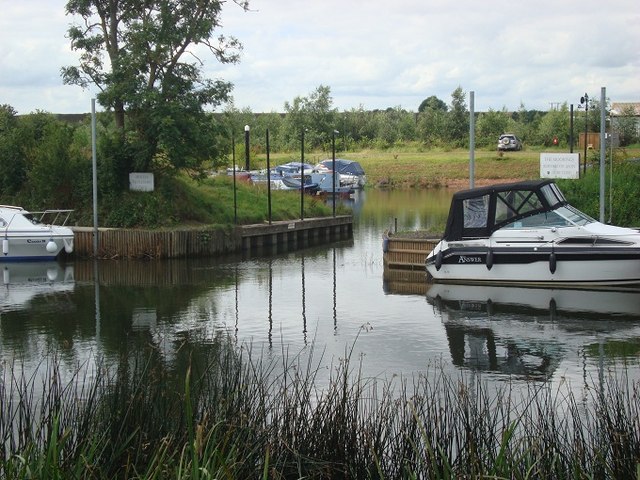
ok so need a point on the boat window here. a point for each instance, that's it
(2, 223)
(565, 216)
(552, 194)
(574, 215)
(515, 202)
(476, 212)
(540, 220)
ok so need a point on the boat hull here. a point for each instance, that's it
(536, 266)
(20, 248)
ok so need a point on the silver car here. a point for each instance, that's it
(508, 141)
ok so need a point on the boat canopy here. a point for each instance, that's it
(345, 167)
(478, 212)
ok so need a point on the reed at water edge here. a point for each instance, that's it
(236, 415)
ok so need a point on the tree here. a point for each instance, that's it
(315, 114)
(143, 57)
(489, 126)
(458, 119)
(432, 103)
(626, 124)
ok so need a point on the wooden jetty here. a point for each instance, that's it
(403, 258)
(210, 241)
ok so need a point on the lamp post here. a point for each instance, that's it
(302, 174)
(246, 148)
(571, 130)
(268, 178)
(585, 101)
(233, 159)
(333, 168)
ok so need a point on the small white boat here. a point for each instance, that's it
(526, 233)
(33, 236)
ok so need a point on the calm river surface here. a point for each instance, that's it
(329, 300)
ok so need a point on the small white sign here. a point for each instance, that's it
(559, 165)
(141, 182)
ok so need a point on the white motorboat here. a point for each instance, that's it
(34, 235)
(526, 233)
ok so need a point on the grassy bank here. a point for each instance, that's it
(413, 168)
(182, 200)
(236, 416)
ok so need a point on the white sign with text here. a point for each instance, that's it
(559, 165)
(141, 182)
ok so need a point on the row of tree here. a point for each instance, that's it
(435, 124)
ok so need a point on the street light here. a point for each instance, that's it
(246, 148)
(302, 174)
(268, 177)
(585, 101)
(233, 159)
(333, 168)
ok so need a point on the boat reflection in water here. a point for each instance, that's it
(24, 281)
(527, 331)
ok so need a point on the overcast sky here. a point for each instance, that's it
(374, 54)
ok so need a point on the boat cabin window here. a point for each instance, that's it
(515, 202)
(476, 211)
(2, 223)
(565, 216)
(552, 194)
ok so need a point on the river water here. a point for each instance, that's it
(332, 300)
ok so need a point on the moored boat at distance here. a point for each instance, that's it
(34, 236)
(526, 233)
(351, 173)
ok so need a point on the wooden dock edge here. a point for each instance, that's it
(406, 253)
(117, 243)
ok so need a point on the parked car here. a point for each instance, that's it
(508, 141)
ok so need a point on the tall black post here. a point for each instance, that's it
(333, 168)
(235, 198)
(268, 178)
(585, 100)
(571, 130)
(247, 167)
(302, 175)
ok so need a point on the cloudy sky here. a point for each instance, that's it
(374, 54)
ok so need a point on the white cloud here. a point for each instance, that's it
(377, 54)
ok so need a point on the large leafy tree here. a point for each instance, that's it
(145, 59)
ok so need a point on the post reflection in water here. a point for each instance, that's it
(304, 313)
(335, 298)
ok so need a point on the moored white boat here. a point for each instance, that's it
(33, 236)
(526, 233)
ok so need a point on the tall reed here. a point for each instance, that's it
(228, 412)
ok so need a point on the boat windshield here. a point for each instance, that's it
(565, 216)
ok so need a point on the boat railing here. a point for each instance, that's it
(58, 217)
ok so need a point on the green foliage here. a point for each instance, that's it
(313, 114)
(489, 126)
(625, 194)
(150, 80)
(225, 413)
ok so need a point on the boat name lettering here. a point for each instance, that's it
(465, 259)
(29, 240)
